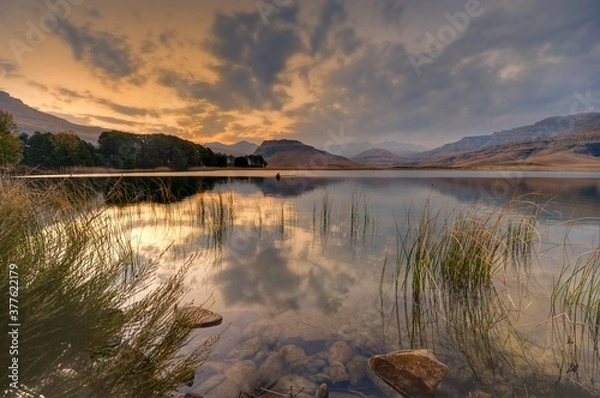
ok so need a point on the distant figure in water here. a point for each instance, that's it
(278, 176)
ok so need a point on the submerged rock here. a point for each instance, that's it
(197, 317)
(294, 356)
(338, 373)
(413, 373)
(356, 369)
(340, 352)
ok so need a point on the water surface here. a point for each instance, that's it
(298, 265)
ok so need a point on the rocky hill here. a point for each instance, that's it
(295, 154)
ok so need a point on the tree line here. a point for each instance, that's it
(115, 149)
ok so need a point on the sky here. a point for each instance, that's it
(326, 72)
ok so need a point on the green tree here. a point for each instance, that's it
(39, 151)
(70, 150)
(11, 150)
(50, 151)
(241, 161)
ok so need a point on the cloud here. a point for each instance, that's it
(251, 60)
(113, 120)
(523, 63)
(127, 110)
(8, 68)
(332, 13)
(103, 51)
(390, 10)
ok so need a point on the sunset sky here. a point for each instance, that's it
(322, 71)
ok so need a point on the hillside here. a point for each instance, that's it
(241, 148)
(550, 127)
(30, 120)
(580, 150)
(377, 157)
(294, 154)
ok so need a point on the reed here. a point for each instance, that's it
(444, 286)
(576, 318)
(79, 290)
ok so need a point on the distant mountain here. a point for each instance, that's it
(573, 151)
(241, 148)
(551, 127)
(352, 149)
(295, 154)
(569, 142)
(377, 157)
(30, 120)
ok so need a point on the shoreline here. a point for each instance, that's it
(484, 172)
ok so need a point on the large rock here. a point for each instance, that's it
(197, 317)
(414, 373)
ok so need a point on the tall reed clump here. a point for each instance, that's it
(448, 267)
(463, 251)
(77, 297)
(445, 270)
(576, 320)
(216, 213)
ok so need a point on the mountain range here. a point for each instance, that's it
(560, 140)
(355, 148)
(571, 141)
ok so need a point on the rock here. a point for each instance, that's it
(314, 364)
(293, 355)
(248, 348)
(273, 368)
(210, 383)
(412, 373)
(225, 389)
(322, 391)
(338, 373)
(243, 373)
(356, 369)
(340, 352)
(197, 317)
(298, 383)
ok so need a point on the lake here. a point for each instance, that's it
(318, 260)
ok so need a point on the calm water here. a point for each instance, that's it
(297, 265)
